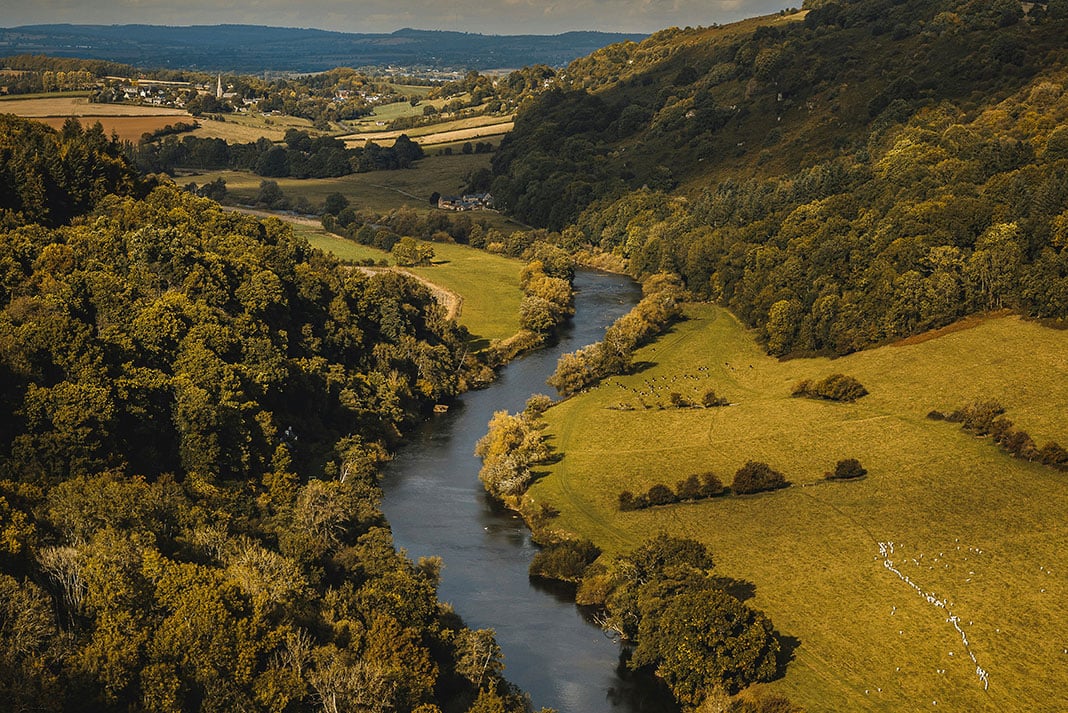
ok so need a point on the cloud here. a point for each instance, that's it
(485, 16)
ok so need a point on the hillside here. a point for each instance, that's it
(839, 177)
(252, 48)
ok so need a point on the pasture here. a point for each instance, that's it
(380, 191)
(243, 128)
(936, 582)
(488, 284)
(385, 113)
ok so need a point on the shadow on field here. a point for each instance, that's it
(787, 648)
(740, 589)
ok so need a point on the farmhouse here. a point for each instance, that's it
(468, 201)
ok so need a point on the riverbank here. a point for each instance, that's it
(436, 506)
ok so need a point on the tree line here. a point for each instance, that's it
(658, 308)
(299, 156)
(986, 418)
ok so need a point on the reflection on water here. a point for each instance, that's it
(436, 506)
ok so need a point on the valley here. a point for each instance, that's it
(820, 464)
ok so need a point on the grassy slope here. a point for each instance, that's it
(812, 552)
(488, 283)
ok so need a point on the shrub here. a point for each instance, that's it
(711, 485)
(710, 400)
(978, 417)
(836, 387)
(689, 489)
(537, 405)
(1053, 454)
(755, 477)
(1019, 444)
(627, 501)
(661, 495)
(847, 469)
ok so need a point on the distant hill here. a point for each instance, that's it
(254, 48)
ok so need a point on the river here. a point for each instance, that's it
(436, 507)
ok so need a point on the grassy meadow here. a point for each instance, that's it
(246, 128)
(487, 284)
(983, 534)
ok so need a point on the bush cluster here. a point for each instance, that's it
(696, 487)
(711, 400)
(756, 477)
(836, 387)
(847, 469)
(511, 447)
(548, 300)
(565, 561)
(699, 638)
(985, 418)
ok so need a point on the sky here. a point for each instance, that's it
(498, 17)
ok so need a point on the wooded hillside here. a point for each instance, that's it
(193, 404)
(840, 177)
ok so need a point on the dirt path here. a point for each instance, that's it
(451, 301)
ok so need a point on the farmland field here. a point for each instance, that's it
(477, 127)
(889, 585)
(125, 120)
(385, 113)
(246, 128)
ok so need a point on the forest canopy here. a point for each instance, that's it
(193, 406)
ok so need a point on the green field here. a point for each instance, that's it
(380, 191)
(981, 532)
(488, 284)
(385, 113)
(240, 128)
